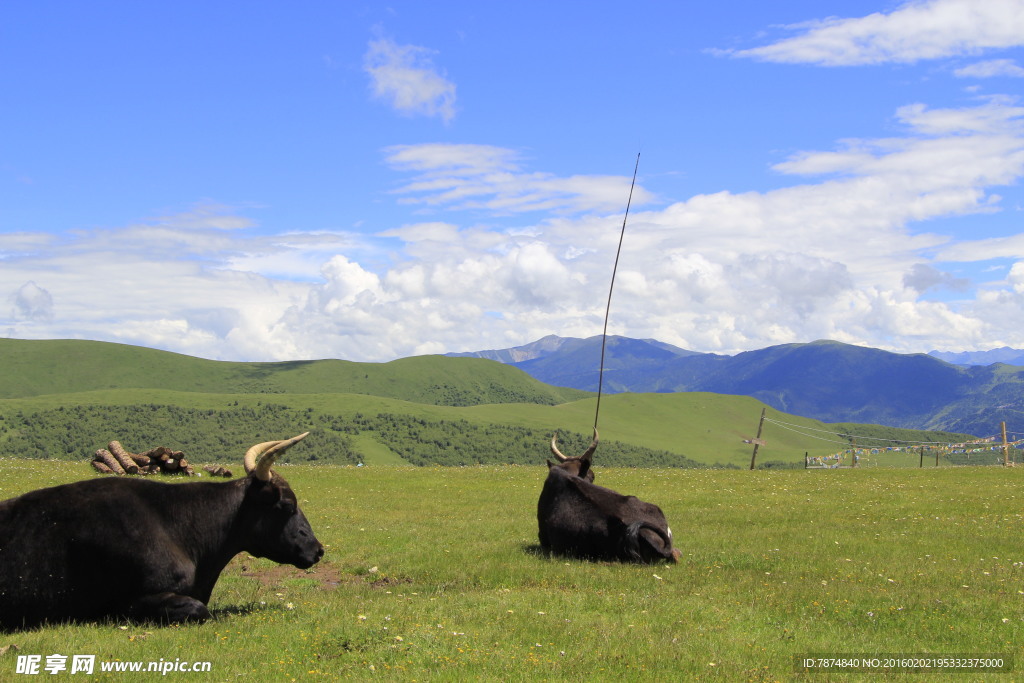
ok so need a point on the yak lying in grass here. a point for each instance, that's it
(141, 549)
(579, 518)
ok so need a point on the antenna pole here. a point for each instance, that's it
(611, 287)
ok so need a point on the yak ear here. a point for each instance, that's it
(266, 492)
(550, 464)
(584, 468)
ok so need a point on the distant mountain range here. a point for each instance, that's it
(826, 380)
(1001, 355)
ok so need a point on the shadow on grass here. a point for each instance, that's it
(245, 609)
(535, 550)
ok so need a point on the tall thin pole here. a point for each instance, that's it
(757, 440)
(1006, 446)
(611, 287)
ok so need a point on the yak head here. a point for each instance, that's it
(279, 530)
(578, 466)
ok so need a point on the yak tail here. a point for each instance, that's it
(639, 548)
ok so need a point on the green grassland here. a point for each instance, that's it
(432, 574)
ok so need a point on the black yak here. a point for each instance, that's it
(579, 518)
(141, 549)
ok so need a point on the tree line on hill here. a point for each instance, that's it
(222, 436)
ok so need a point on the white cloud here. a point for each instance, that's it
(915, 31)
(923, 277)
(991, 68)
(490, 178)
(204, 216)
(406, 77)
(32, 302)
(832, 258)
(450, 159)
(968, 251)
(841, 252)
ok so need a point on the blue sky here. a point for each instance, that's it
(269, 181)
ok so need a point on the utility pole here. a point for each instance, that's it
(1006, 446)
(757, 439)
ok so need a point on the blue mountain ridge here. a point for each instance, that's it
(827, 380)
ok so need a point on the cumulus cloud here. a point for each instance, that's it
(832, 257)
(32, 302)
(841, 250)
(406, 78)
(913, 32)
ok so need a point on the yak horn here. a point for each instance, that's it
(591, 448)
(267, 452)
(554, 449)
(586, 456)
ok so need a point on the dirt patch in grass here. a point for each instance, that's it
(385, 581)
(322, 575)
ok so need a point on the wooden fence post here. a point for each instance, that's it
(1006, 446)
(757, 440)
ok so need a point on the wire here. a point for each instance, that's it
(611, 287)
(786, 426)
(798, 428)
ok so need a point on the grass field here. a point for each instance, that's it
(433, 574)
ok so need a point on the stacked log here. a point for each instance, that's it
(104, 457)
(115, 459)
(123, 457)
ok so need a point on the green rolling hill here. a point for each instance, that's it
(35, 368)
(65, 399)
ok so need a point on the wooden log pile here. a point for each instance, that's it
(115, 459)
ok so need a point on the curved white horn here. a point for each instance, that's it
(554, 449)
(267, 452)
